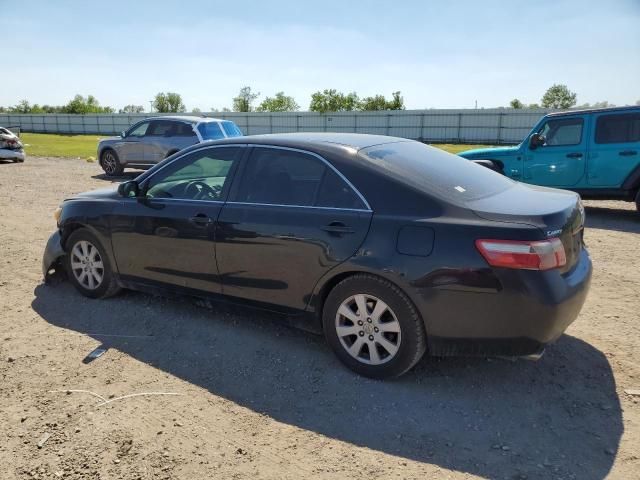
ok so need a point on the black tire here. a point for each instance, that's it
(412, 337)
(110, 163)
(109, 285)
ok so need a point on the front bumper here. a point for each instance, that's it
(528, 311)
(53, 254)
(8, 154)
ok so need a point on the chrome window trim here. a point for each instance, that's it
(299, 206)
(328, 164)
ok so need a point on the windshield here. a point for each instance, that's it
(432, 171)
(231, 129)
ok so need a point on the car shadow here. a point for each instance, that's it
(606, 218)
(558, 417)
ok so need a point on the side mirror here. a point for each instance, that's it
(129, 189)
(123, 134)
(536, 140)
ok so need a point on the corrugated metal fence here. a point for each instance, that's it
(492, 126)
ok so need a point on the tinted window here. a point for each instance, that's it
(139, 131)
(563, 131)
(432, 171)
(161, 128)
(184, 130)
(623, 128)
(231, 129)
(201, 175)
(284, 177)
(210, 131)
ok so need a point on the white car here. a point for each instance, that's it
(11, 147)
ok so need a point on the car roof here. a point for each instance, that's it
(186, 118)
(313, 140)
(594, 110)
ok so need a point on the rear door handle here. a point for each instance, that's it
(201, 220)
(338, 228)
(627, 153)
(574, 155)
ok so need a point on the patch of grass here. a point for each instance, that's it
(50, 145)
(84, 146)
(457, 148)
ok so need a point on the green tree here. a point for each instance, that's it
(379, 102)
(330, 100)
(196, 110)
(279, 103)
(515, 103)
(533, 105)
(243, 102)
(169, 102)
(23, 106)
(558, 96)
(81, 105)
(132, 109)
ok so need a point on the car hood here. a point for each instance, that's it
(489, 153)
(110, 193)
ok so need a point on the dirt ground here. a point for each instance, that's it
(257, 399)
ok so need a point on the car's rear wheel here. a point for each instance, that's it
(110, 163)
(373, 327)
(88, 266)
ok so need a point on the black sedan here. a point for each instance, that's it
(390, 247)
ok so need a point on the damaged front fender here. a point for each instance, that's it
(53, 254)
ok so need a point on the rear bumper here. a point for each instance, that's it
(8, 154)
(53, 252)
(525, 313)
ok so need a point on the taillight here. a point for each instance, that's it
(535, 255)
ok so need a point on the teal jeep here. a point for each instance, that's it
(595, 153)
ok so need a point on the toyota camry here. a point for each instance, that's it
(389, 247)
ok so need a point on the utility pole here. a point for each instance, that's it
(476, 104)
(150, 106)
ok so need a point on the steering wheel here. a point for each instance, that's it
(199, 190)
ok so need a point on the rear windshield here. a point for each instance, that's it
(435, 172)
(231, 129)
(210, 131)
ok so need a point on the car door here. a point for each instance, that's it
(291, 218)
(166, 235)
(158, 140)
(131, 148)
(561, 161)
(615, 149)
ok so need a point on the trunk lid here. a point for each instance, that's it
(557, 213)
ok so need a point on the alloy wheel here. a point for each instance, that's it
(87, 265)
(368, 329)
(109, 163)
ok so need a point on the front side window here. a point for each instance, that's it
(562, 132)
(210, 131)
(284, 177)
(139, 131)
(201, 175)
(621, 128)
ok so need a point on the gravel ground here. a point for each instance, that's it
(257, 399)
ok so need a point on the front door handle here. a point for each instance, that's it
(201, 220)
(574, 155)
(627, 153)
(338, 228)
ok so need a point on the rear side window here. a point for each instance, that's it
(619, 128)
(231, 129)
(562, 132)
(210, 131)
(184, 130)
(435, 172)
(284, 177)
(160, 129)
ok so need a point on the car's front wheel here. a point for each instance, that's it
(88, 266)
(373, 327)
(110, 163)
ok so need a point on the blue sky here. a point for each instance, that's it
(440, 54)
